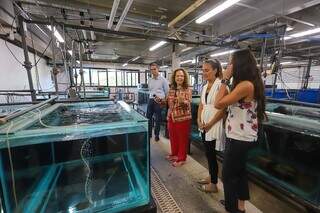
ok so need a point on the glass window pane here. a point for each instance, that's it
(86, 76)
(102, 78)
(120, 78)
(134, 79)
(191, 80)
(94, 77)
(129, 79)
(111, 78)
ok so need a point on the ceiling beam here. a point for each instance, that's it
(113, 13)
(190, 9)
(124, 14)
(129, 34)
(276, 14)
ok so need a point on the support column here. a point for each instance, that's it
(54, 69)
(262, 54)
(307, 75)
(175, 60)
(27, 63)
(81, 70)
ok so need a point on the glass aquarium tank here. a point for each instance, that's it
(287, 156)
(143, 99)
(9, 109)
(195, 136)
(75, 157)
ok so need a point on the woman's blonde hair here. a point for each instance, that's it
(185, 83)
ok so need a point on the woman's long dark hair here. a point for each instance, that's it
(245, 69)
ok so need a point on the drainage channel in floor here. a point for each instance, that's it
(160, 193)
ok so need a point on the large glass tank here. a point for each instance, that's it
(194, 125)
(76, 157)
(288, 153)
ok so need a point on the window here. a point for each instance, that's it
(112, 79)
(86, 76)
(102, 77)
(94, 77)
(191, 80)
(120, 78)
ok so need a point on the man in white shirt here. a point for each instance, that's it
(159, 88)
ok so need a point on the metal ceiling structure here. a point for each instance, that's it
(119, 30)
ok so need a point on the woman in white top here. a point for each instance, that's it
(246, 103)
(210, 122)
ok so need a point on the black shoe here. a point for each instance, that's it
(157, 138)
(223, 202)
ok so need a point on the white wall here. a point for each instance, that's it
(292, 78)
(14, 75)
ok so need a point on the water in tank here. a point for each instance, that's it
(287, 155)
(78, 157)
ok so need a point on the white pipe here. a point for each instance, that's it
(113, 13)
(124, 14)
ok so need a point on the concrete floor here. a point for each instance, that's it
(181, 183)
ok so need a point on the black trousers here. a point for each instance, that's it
(154, 108)
(211, 158)
(234, 174)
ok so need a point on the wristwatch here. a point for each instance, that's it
(225, 81)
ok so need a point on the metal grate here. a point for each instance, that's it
(162, 195)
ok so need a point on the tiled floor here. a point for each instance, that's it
(181, 183)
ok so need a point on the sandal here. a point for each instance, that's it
(204, 180)
(171, 158)
(207, 189)
(178, 163)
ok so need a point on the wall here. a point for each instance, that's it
(14, 75)
(292, 78)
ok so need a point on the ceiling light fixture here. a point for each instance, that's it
(289, 28)
(156, 46)
(216, 10)
(56, 34)
(136, 58)
(188, 61)
(303, 33)
(125, 64)
(222, 53)
(286, 62)
(70, 52)
(164, 66)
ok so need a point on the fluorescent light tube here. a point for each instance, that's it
(303, 33)
(188, 61)
(70, 52)
(222, 53)
(136, 58)
(286, 62)
(156, 46)
(125, 64)
(216, 10)
(165, 66)
(289, 28)
(56, 34)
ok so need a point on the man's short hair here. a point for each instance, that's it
(154, 64)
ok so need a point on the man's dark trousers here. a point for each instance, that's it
(154, 108)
